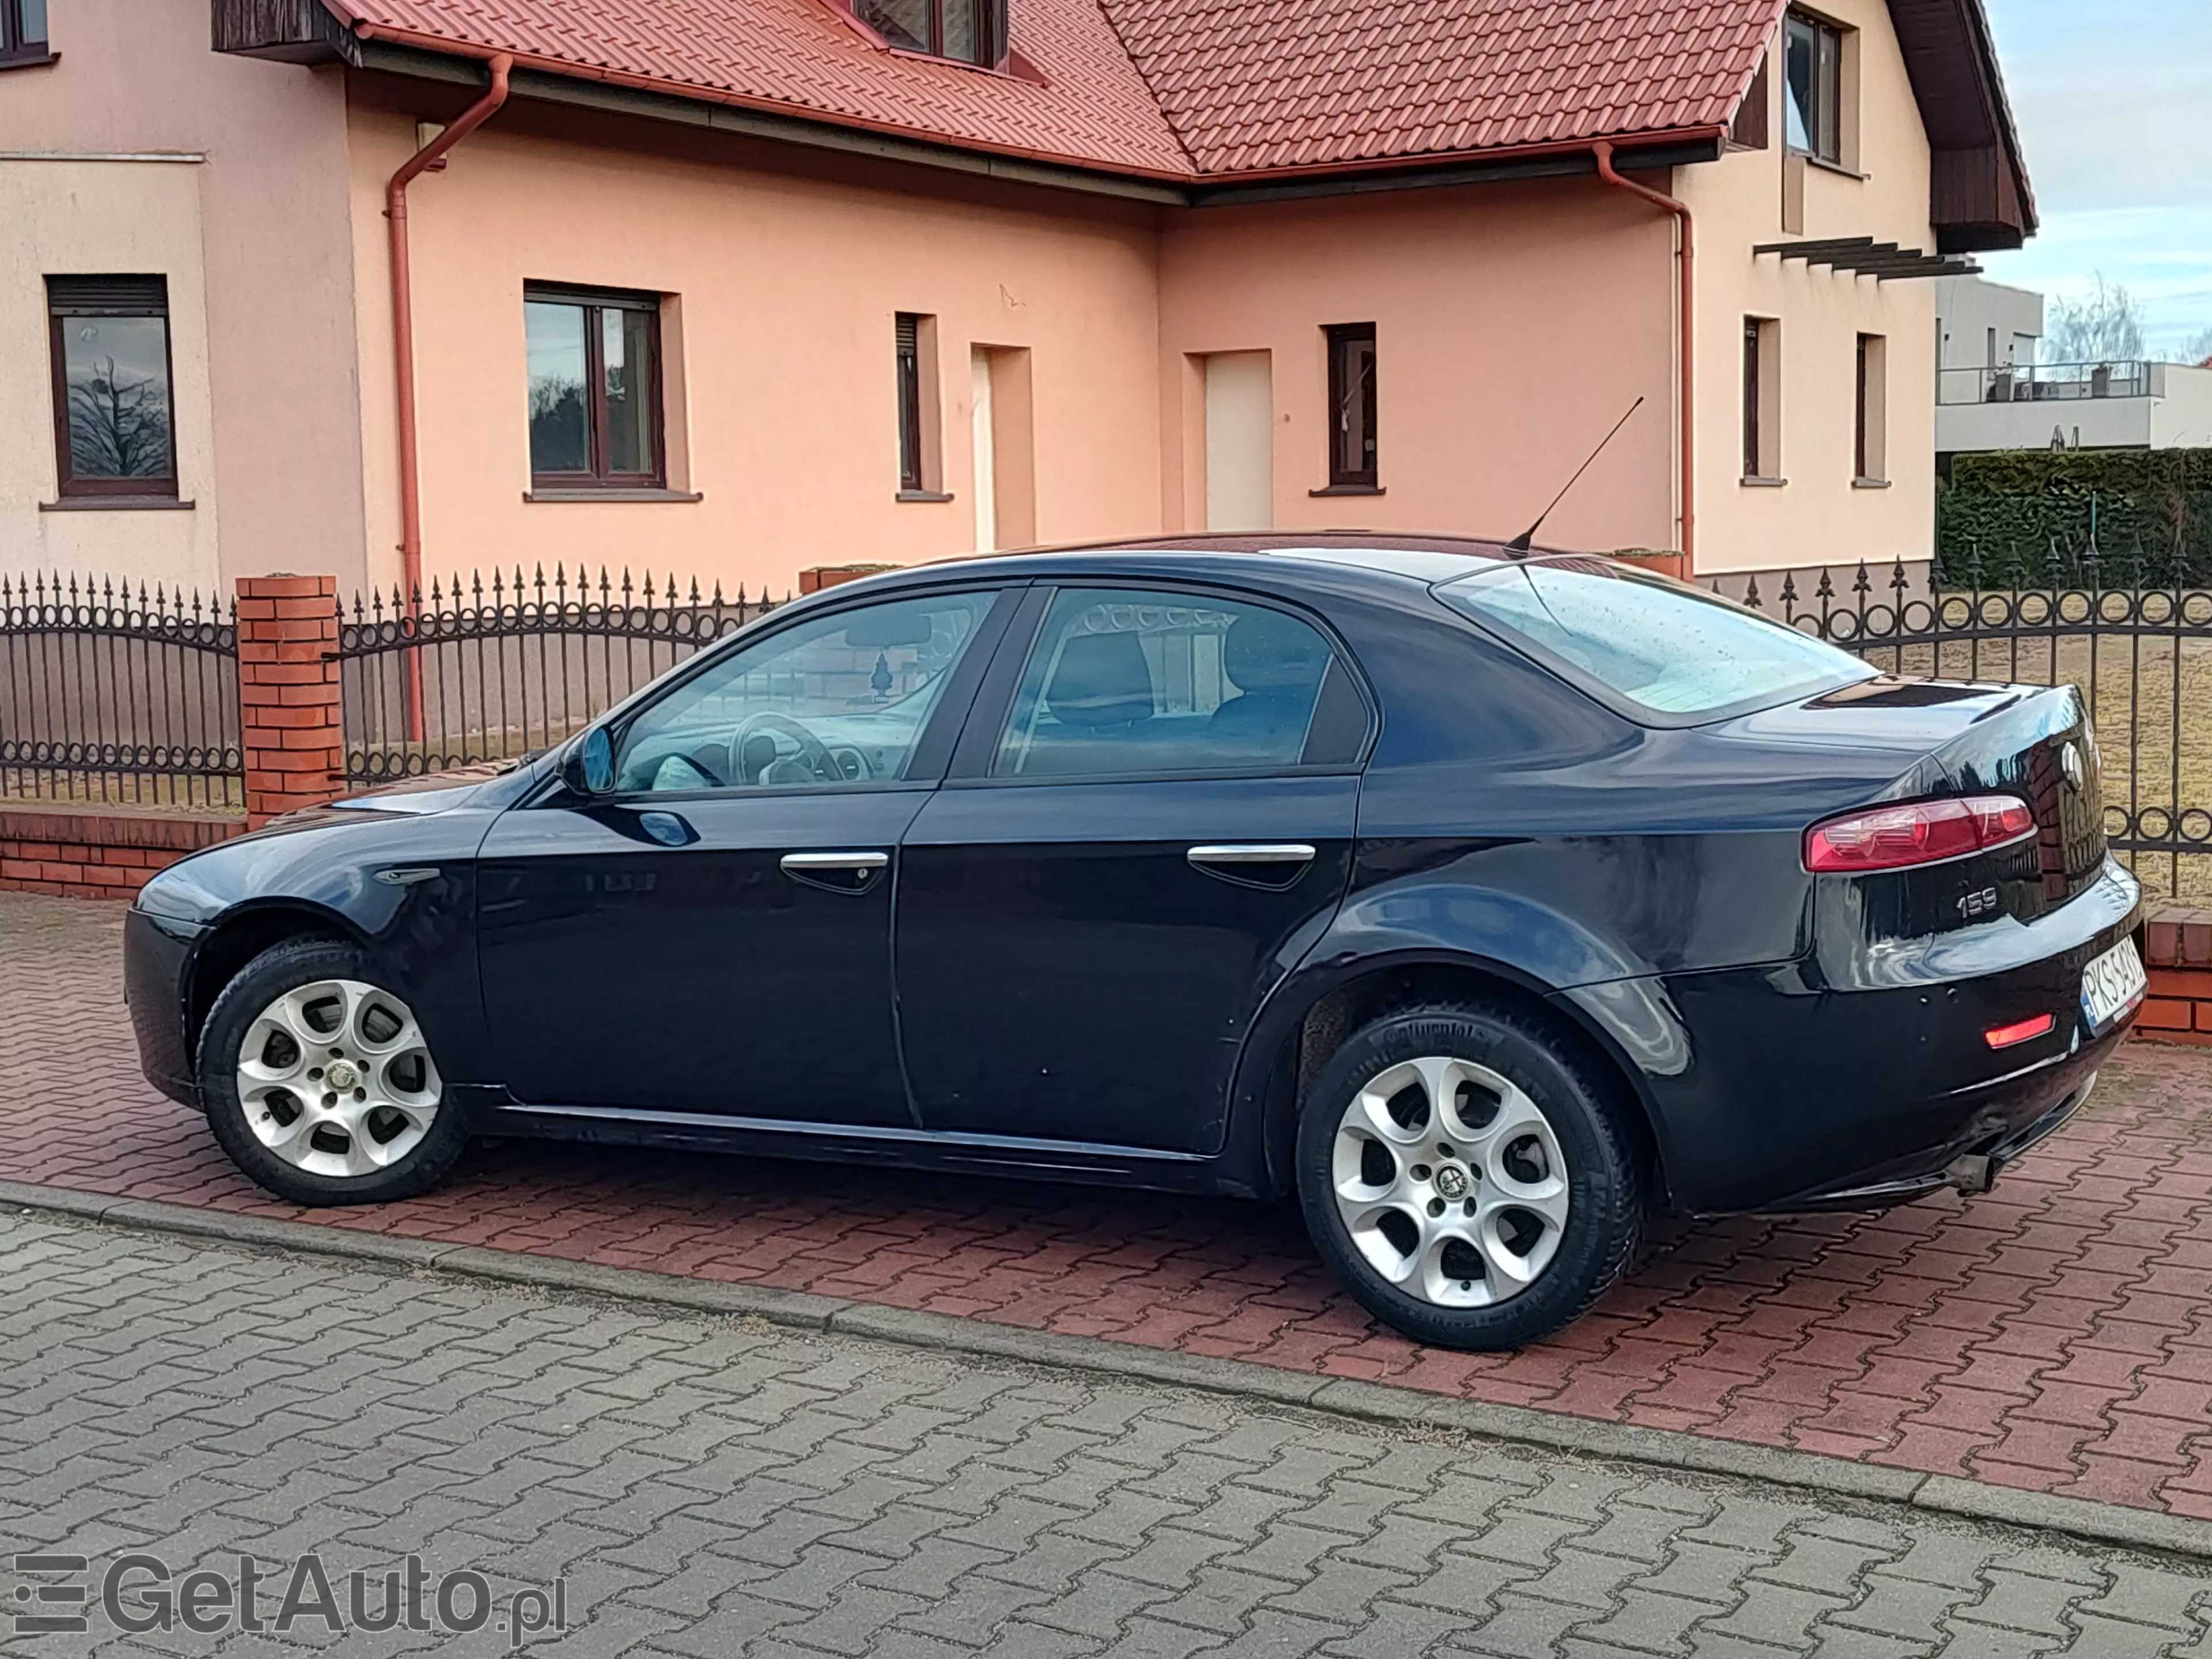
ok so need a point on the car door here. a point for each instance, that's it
(1148, 821)
(713, 936)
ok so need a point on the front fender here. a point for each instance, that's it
(404, 888)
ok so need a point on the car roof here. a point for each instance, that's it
(1396, 560)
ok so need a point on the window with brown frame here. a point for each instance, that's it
(1870, 457)
(1353, 456)
(23, 32)
(908, 337)
(971, 31)
(594, 365)
(1762, 400)
(114, 425)
(1813, 106)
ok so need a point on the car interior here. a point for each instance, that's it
(1184, 694)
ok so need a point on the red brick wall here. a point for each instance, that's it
(99, 852)
(2177, 951)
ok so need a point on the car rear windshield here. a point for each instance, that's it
(1668, 650)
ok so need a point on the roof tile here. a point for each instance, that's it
(1170, 88)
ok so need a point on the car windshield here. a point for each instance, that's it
(1666, 647)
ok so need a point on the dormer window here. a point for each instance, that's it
(969, 31)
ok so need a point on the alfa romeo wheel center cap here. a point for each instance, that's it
(1452, 1182)
(342, 1076)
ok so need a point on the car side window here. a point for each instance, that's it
(1127, 682)
(841, 699)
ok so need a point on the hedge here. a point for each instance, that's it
(2150, 509)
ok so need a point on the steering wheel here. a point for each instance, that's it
(813, 752)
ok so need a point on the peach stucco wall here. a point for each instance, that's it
(254, 241)
(1513, 324)
(787, 282)
(1818, 517)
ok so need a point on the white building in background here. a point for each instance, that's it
(1994, 391)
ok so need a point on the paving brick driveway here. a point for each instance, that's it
(2054, 1334)
(709, 1488)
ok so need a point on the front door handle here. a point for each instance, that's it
(1276, 853)
(840, 872)
(1274, 866)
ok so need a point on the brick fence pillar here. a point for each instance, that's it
(288, 691)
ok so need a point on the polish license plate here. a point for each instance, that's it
(2112, 984)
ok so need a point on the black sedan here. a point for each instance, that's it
(1487, 903)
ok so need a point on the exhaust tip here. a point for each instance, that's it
(1971, 1173)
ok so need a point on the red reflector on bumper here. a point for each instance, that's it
(2005, 1037)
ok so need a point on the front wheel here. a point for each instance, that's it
(318, 1081)
(1463, 1174)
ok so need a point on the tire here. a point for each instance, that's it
(386, 1132)
(1498, 1240)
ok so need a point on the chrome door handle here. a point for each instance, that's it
(1269, 852)
(815, 863)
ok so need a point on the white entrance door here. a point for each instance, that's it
(986, 490)
(1240, 441)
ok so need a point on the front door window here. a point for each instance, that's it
(841, 700)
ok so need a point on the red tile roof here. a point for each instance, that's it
(1279, 84)
(1172, 89)
(798, 56)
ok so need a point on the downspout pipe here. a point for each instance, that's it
(1686, 268)
(402, 348)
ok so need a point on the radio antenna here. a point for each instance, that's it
(1526, 539)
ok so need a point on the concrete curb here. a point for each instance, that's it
(1375, 1402)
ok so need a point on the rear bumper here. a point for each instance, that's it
(156, 953)
(1979, 1156)
(1780, 1091)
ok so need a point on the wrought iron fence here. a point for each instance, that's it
(499, 670)
(2142, 654)
(108, 696)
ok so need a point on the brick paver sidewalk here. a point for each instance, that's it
(2054, 1334)
(708, 1490)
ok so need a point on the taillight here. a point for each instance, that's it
(1926, 832)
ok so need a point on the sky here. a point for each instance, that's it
(2113, 99)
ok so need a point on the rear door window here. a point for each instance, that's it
(1127, 683)
(1660, 650)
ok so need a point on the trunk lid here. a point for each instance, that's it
(1953, 739)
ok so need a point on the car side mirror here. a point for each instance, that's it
(588, 768)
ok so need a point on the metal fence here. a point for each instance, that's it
(115, 698)
(2141, 654)
(499, 670)
(111, 697)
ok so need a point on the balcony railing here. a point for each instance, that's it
(2036, 383)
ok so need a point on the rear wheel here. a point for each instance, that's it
(319, 1083)
(1465, 1178)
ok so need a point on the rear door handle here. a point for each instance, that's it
(1276, 853)
(835, 873)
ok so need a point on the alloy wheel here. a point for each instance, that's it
(1449, 1180)
(336, 1079)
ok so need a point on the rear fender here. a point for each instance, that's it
(1509, 939)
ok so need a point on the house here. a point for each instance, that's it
(1994, 391)
(732, 287)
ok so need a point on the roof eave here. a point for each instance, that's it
(553, 81)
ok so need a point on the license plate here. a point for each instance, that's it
(2112, 984)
